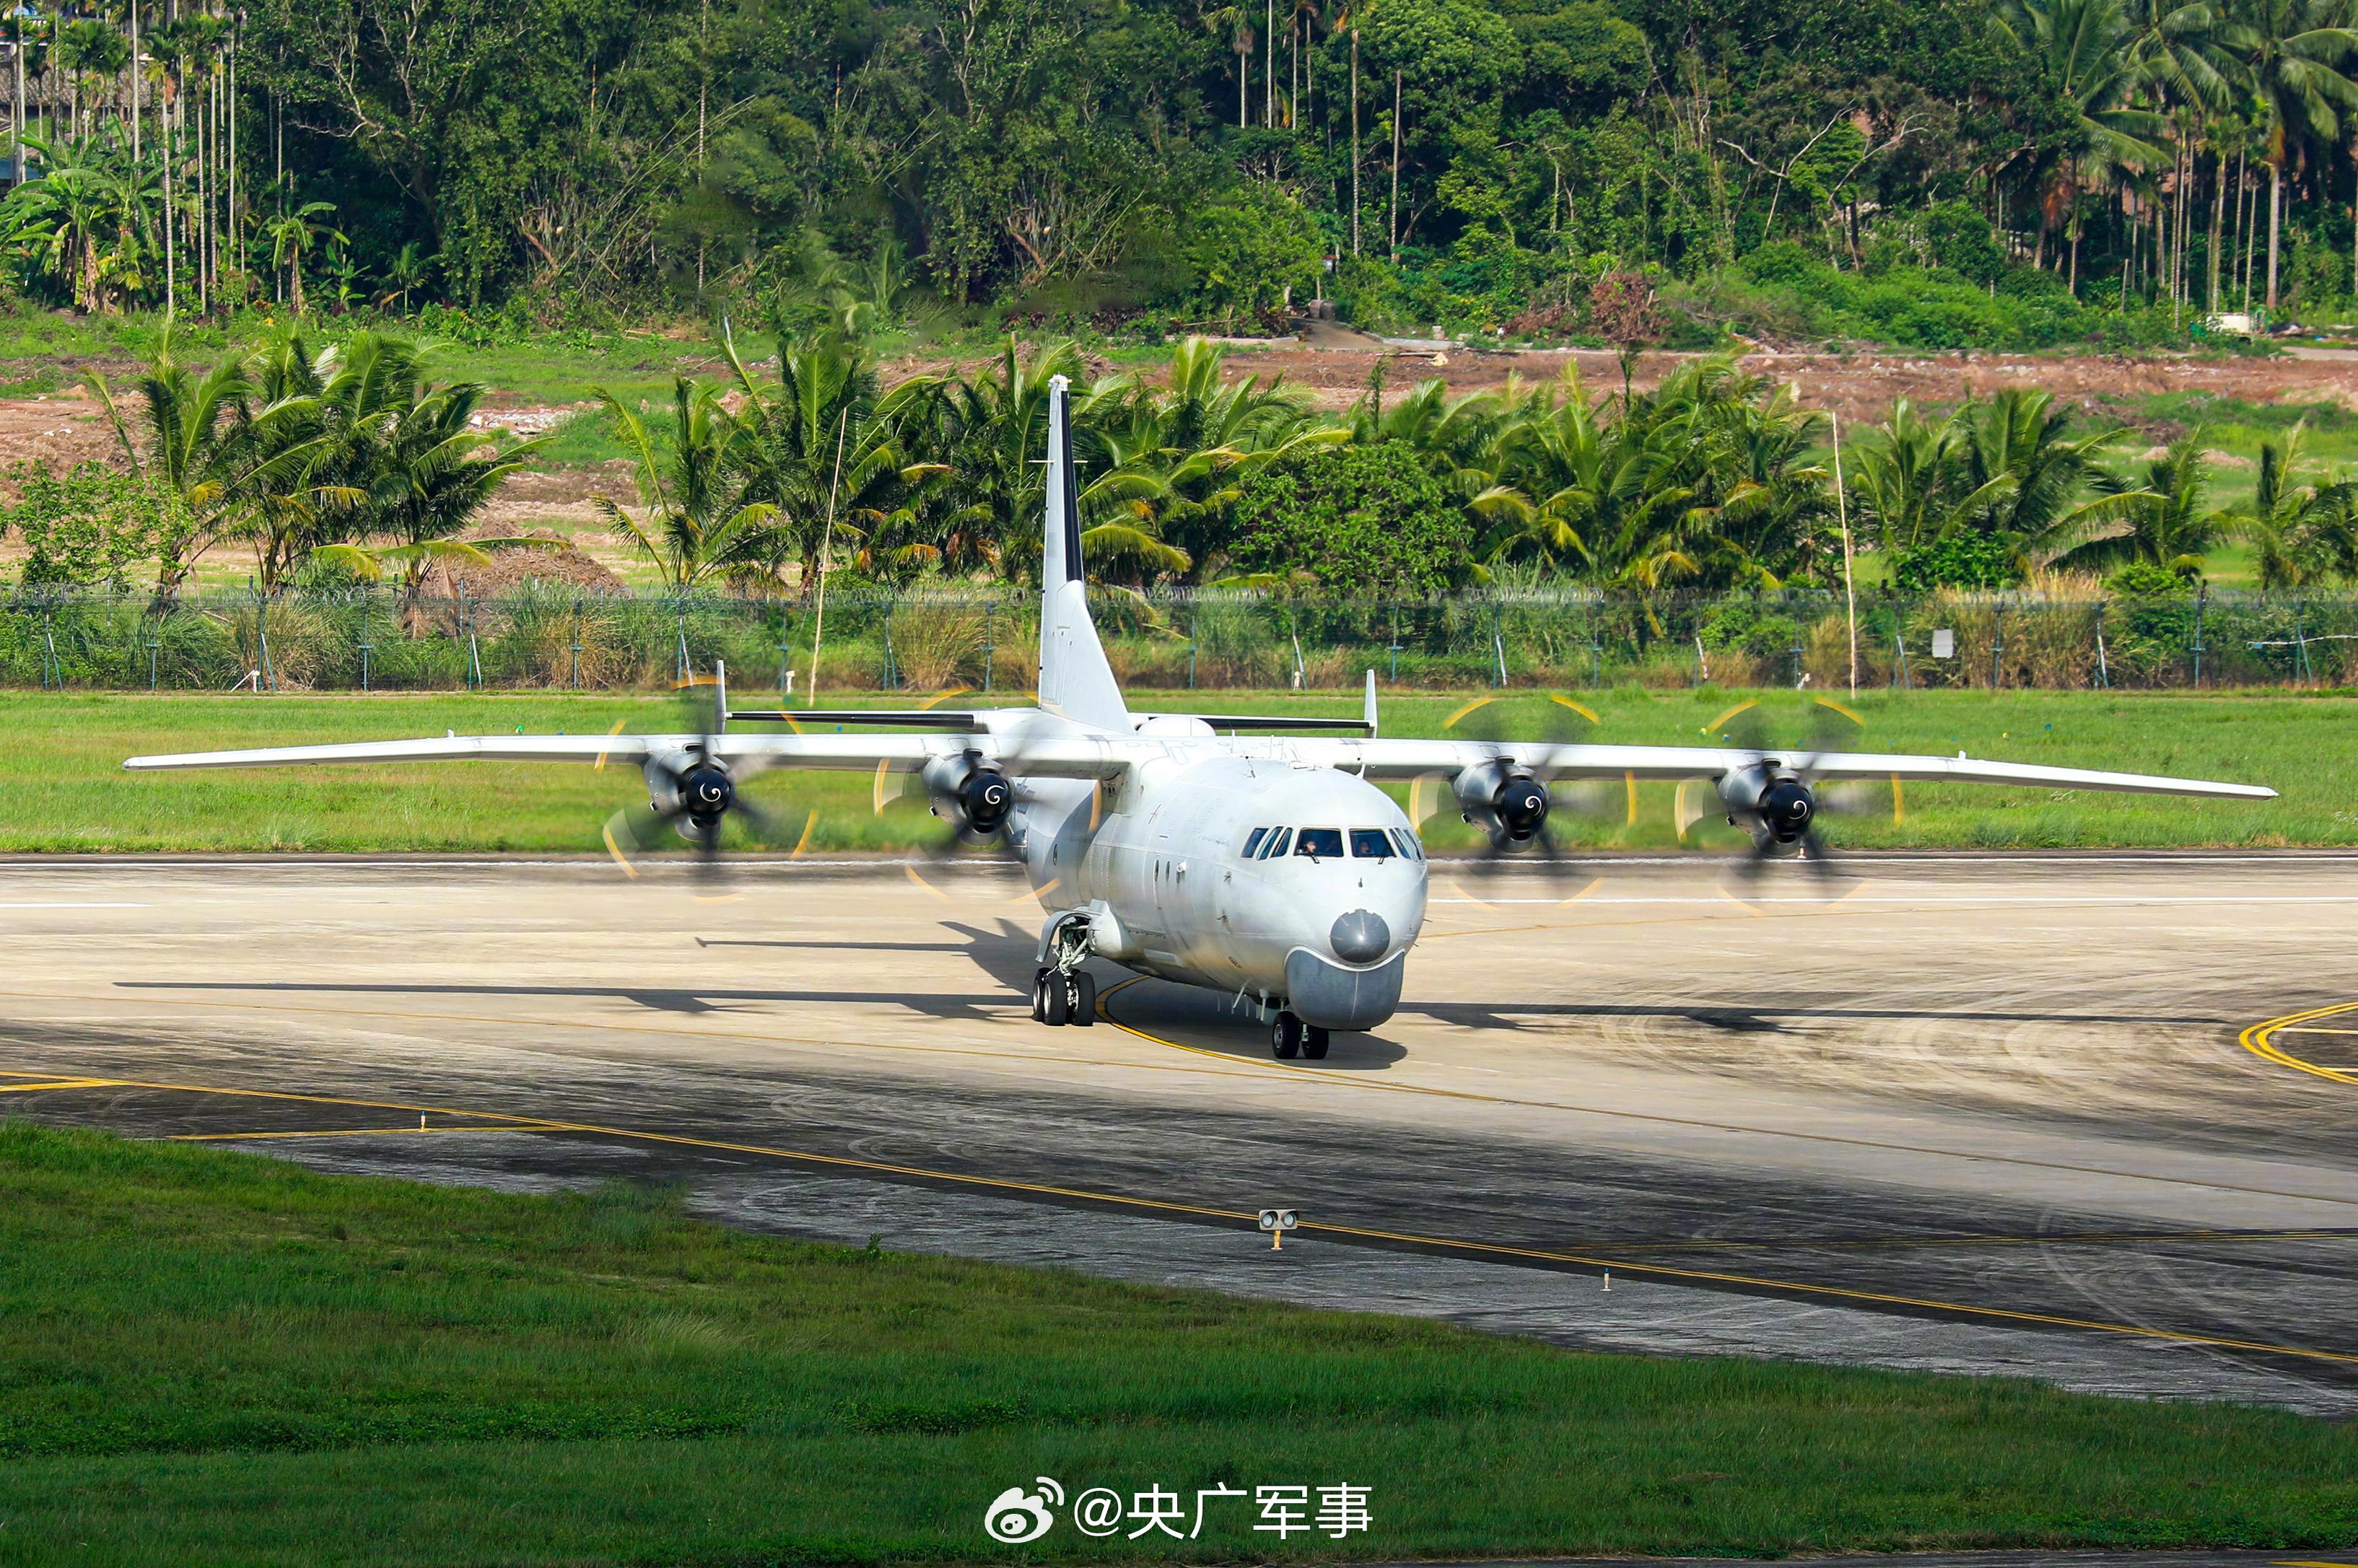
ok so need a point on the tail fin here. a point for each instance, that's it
(1074, 680)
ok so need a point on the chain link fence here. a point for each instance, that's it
(549, 637)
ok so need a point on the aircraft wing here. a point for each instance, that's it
(1075, 757)
(1399, 760)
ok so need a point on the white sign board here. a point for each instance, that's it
(1945, 643)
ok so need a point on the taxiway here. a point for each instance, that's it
(2079, 1119)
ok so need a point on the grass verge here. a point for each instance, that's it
(209, 1358)
(60, 758)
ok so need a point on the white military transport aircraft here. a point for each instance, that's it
(1270, 867)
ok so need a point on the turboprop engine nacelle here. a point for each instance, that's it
(969, 792)
(1505, 800)
(689, 786)
(1775, 807)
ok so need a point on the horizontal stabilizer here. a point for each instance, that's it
(1265, 721)
(957, 720)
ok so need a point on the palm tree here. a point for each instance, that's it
(2305, 526)
(2293, 52)
(408, 273)
(821, 448)
(424, 475)
(2082, 52)
(987, 429)
(696, 529)
(2163, 519)
(291, 234)
(1907, 487)
(187, 452)
(91, 54)
(2027, 472)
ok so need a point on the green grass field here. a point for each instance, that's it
(212, 1358)
(60, 773)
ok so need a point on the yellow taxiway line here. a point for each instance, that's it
(493, 1121)
(2260, 1039)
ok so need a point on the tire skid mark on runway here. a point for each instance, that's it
(1450, 1246)
(1361, 1081)
(1238, 1070)
(2260, 1039)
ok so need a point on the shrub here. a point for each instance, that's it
(1362, 519)
(1961, 561)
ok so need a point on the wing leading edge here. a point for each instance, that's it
(1401, 760)
(1046, 757)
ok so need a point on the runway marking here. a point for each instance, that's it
(2260, 1039)
(59, 1084)
(1376, 1086)
(1452, 1245)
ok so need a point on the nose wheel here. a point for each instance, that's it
(1290, 1037)
(1059, 999)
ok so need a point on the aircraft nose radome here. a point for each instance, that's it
(1360, 937)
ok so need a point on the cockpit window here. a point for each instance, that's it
(1253, 843)
(1408, 844)
(1371, 844)
(1320, 843)
(1276, 845)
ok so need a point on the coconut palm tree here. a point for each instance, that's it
(187, 450)
(2082, 50)
(821, 447)
(694, 528)
(422, 473)
(2163, 516)
(2303, 523)
(2294, 53)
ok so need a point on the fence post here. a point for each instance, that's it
(49, 651)
(1499, 641)
(366, 647)
(152, 647)
(892, 665)
(2103, 667)
(681, 606)
(1997, 646)
(2306, 671)
(2200, 598)
(990, 639)
(575, 646)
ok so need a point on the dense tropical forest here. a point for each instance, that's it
(1945, 173)
(320, 192)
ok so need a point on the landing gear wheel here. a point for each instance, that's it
(1285, 1037)
(1059, 1001)
(1085, 999)
(1040, 996)
(1313, 1042)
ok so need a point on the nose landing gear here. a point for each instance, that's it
(1059, 999)
(1290, 1037)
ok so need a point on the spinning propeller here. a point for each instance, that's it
(693, 790)
(1515, 796)
(1776, 798)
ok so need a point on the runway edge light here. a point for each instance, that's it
(1277, 1222)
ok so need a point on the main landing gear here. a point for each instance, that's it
(1290, 1037)
(1060, 999)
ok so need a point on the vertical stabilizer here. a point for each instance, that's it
(1074, 680)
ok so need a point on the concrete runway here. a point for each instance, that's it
(2004, 1114)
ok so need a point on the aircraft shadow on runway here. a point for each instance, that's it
(1007, 955)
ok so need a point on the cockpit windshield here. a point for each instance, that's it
(1371, 844)
(1319, 843)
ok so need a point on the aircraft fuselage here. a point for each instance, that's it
(1295, 887)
